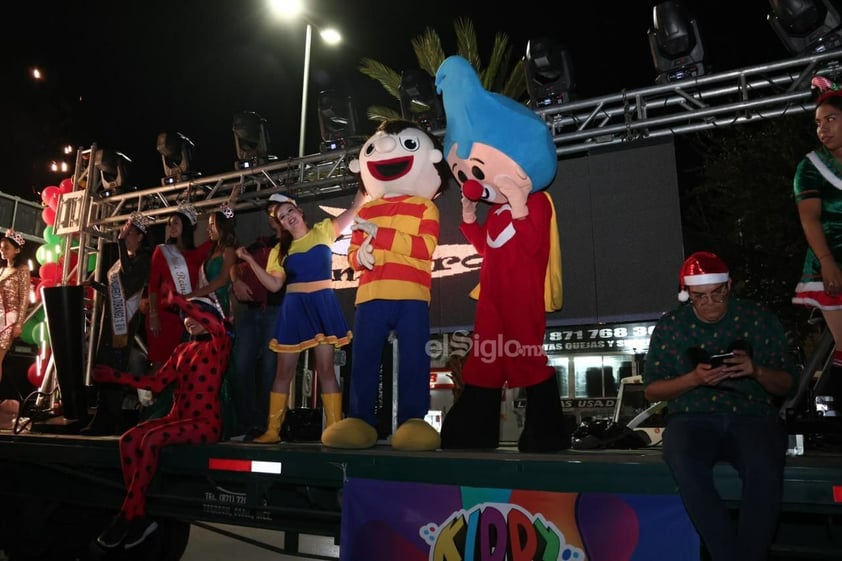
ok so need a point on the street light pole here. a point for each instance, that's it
(292, 8)
(308, 38)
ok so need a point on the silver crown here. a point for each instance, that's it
(140, 221)
(188, 210)
(16, 237)
(226, 211)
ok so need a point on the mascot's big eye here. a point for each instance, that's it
(478, 173)
(461, 176)
(410, 143)
(369, 149)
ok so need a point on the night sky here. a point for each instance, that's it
(118, 73)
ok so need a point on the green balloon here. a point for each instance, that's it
(39, 316)
(27, 334)
(41, 254)
(91, 262)
(41, 333)
(32, 332)
(50, 236)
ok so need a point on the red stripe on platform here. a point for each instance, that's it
(229, 465)
(837, 493)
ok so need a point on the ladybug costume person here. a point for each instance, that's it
(195, 369)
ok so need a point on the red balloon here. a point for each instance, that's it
(45, 283)
(48, 215)
(36, 375)
(50, 271)
(66, 185)
(74, 260)
(50, 196)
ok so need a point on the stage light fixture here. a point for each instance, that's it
(806, 27)
(251, 140)
(549, 73)
(337, 121)
(675, 43)
(113, 168)
(176, 155)
(419, 101)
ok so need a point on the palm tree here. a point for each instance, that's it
(500, 75)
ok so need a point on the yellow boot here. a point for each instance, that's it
(277, 410)
(332, 404)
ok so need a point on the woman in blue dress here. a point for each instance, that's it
(310, 316)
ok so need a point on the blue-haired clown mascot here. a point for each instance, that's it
(402, 169)
(503, 154)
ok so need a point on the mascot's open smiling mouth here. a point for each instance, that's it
(388, 170)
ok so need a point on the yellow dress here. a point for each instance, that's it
(14, 299)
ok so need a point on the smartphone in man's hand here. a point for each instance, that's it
(718, 360)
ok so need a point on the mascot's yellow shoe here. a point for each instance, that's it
(416, 435)
(350, 433)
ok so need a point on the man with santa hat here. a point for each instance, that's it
(722, 409)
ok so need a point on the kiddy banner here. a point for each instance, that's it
(393, 521)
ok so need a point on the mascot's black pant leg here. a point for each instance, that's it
(544, 429)
(474, 420)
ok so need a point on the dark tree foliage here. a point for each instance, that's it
(737, 200)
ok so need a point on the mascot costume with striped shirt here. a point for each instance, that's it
(402, 169)
(502, 153)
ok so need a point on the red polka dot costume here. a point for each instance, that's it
(196, 368)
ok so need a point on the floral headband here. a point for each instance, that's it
(16, 237)
(826, 89)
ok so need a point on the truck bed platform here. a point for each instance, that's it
(296, 487)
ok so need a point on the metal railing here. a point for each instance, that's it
(22, 216)
(716, 100)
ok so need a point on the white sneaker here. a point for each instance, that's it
(139, 529)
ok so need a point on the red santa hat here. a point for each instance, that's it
(702, 267)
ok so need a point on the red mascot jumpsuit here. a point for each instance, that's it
(196, 368)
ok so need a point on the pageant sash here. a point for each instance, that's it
(122, 309)
(178, 269)
(831, 177)
(214, 299)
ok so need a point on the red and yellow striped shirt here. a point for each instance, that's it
(407, 235)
